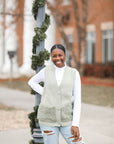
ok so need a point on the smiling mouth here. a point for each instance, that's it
(58, 62)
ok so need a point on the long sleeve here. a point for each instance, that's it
(35, 80)
(77, 101)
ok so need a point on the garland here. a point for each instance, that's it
(34, 92)
(40, 33)
(38, 60)
(33, 118)
(37, 4)
(32, 142)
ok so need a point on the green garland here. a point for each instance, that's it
(33, 118)
(40, 36)
(39, 60)
(40, 33)
(32, 142)
(34, 92)
(46, 23)
(37, 4)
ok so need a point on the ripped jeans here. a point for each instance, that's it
(51, 135)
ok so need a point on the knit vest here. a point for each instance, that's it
(56, 107)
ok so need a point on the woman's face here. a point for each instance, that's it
(58, 57)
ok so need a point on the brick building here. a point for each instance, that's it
(99, 28)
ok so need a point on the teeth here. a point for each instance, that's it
(58, 62)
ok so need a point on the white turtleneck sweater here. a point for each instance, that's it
(40, 76)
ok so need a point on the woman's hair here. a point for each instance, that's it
(59, 46)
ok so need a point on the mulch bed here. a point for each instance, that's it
(97, 81)
(84, 81)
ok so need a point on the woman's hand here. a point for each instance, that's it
(75, 132)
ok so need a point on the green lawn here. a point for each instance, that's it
(98, 95)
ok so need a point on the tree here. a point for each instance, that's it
(58, 14)
(80, 25)
(10, 18)
(80, 15)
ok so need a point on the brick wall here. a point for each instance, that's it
(99, 11)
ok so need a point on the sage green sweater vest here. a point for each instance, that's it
(56, 107)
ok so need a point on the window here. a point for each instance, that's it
(90, 48)
(107, 45)
(70, 39)
(65, 2)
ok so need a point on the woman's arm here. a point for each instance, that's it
(77, 101)
(77, 107)
(35, 80)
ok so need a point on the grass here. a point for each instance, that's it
(98, 95)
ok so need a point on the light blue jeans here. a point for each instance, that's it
(51, 134)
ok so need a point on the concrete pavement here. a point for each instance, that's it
(16, 98)
(96, 125)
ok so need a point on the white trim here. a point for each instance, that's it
(91, 38)
(107, 25)
(108, 35)
(65, 2)
(69, 30)
(91, 28)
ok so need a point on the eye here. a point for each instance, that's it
(53, 55)
(60, 55)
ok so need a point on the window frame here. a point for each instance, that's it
(90, 47)
(107, 53)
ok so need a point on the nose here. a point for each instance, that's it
(57, 58)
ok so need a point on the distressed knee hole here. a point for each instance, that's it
(48, 132)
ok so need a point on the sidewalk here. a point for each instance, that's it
(96, 125)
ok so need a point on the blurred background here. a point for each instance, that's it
(84, 27)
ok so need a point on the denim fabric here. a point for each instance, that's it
(51, 134)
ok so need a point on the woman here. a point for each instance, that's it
(60, 106)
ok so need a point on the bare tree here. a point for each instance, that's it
(4, 27)
(15, 14)
(80, 23)
(80, 15)
(58, 15)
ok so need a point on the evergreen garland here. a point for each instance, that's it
(38, 60)
(32, 142)
(34, 92)
(37, 4)
(40, 33)
(46, 23)
(33, 118)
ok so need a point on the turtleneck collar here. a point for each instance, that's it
(59, 68)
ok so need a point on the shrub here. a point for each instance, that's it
(88, 70)
(108, 70)
(99, 70)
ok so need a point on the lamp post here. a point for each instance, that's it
(37, 134)
(11, 56)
